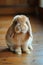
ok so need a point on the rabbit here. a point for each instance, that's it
(19, 35)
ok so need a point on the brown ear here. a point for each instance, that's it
(15, 22)
(13, 26)
(11, 29)
(29, 26)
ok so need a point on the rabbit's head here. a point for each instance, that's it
(20, 23)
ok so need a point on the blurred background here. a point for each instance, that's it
(11, 7)
(34, 10)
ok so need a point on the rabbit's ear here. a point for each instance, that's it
(29, 27)
(14, 24)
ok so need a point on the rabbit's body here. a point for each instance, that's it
(18, 37)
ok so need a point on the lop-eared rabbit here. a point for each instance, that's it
(19, 35)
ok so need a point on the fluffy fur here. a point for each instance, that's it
(19, 35)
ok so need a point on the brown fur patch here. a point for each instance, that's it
(21, 20)
(20, 38)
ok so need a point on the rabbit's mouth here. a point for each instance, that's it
(21, 28)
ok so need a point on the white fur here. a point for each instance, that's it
(28, 43)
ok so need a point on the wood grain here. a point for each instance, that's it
(9, 58)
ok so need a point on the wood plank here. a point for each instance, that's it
(35, 58)
(9, 58)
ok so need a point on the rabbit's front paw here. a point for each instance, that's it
(18, 50)
(26, 50)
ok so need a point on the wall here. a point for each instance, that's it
(16, 6)
(41, 3)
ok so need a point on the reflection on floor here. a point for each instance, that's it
(9, 58)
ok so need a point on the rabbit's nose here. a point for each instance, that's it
(23, 27)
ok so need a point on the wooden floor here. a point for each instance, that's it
(9, 58)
